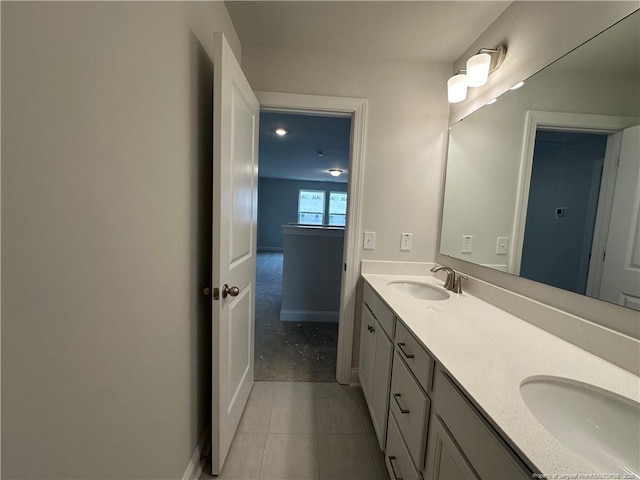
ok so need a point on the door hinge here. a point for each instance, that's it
(604, 255)
(345, 267)
(216, 293)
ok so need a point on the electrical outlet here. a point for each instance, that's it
(467, 243)
(369, 240)
(406, 241)
(502, 245)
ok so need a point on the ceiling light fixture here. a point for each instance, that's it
(320, 153)
(479, 67)
(335, 172)
(281, 132)
(517, 86)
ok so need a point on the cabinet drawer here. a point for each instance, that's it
(397, 457)
(379, 309)
(487, 452)
(419, 361)
(410, 407)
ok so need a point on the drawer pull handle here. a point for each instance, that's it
(406, 355)
(393, 468)
(402, 410)
(371, 329)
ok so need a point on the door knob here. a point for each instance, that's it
(233, 291)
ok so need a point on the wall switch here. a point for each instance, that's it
(467, 243)
(405, 241)
(369, 240)
(502, 246)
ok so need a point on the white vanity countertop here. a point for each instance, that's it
(490, 352)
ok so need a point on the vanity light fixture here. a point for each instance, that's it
(479, 67)
(335, 172)
(457, 88)
(281, 132)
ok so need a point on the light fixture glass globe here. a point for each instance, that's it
(457, 88)
(334, 172)
(478, 69)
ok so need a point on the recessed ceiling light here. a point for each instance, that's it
(517, 86)
(281, 132)
(335, 172)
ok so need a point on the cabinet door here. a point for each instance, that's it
(383, 354)
(367, 350)
(445, 461)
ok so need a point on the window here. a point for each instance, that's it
(311, 207)
(337, 208)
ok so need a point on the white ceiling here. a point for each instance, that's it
(422, 31)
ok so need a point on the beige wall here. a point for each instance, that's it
(106, 142)
(406, 126)
(537, 33)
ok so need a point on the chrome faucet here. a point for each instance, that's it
(452, 283)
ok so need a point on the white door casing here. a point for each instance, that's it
(621, 270)
(235, 125)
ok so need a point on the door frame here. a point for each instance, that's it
(588, 123)
(356, 108)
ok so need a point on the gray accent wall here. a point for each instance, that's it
(278, 205)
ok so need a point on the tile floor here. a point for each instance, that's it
(304, 430)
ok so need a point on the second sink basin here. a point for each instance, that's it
(423, 291)
(599, 427)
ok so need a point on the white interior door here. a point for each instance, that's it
(236, 115)
(621, 271)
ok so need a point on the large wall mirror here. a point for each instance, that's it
(545, 182)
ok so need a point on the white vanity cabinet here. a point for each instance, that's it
(445, 460)
(376, 351)
(409, 404)
(462, 445)
(426, 425)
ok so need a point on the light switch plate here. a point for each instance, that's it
(369, 240)
(467, 243)
(502, 246)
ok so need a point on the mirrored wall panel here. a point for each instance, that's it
(545, 182)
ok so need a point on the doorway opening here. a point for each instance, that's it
(302, 215)
(565, 184)
(600, 250)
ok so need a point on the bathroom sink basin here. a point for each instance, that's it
(423, 291)
(599, 427)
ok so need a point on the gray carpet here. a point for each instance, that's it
(288, 351)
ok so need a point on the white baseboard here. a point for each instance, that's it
(309, 316)
(196, 464)
(355, 379)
